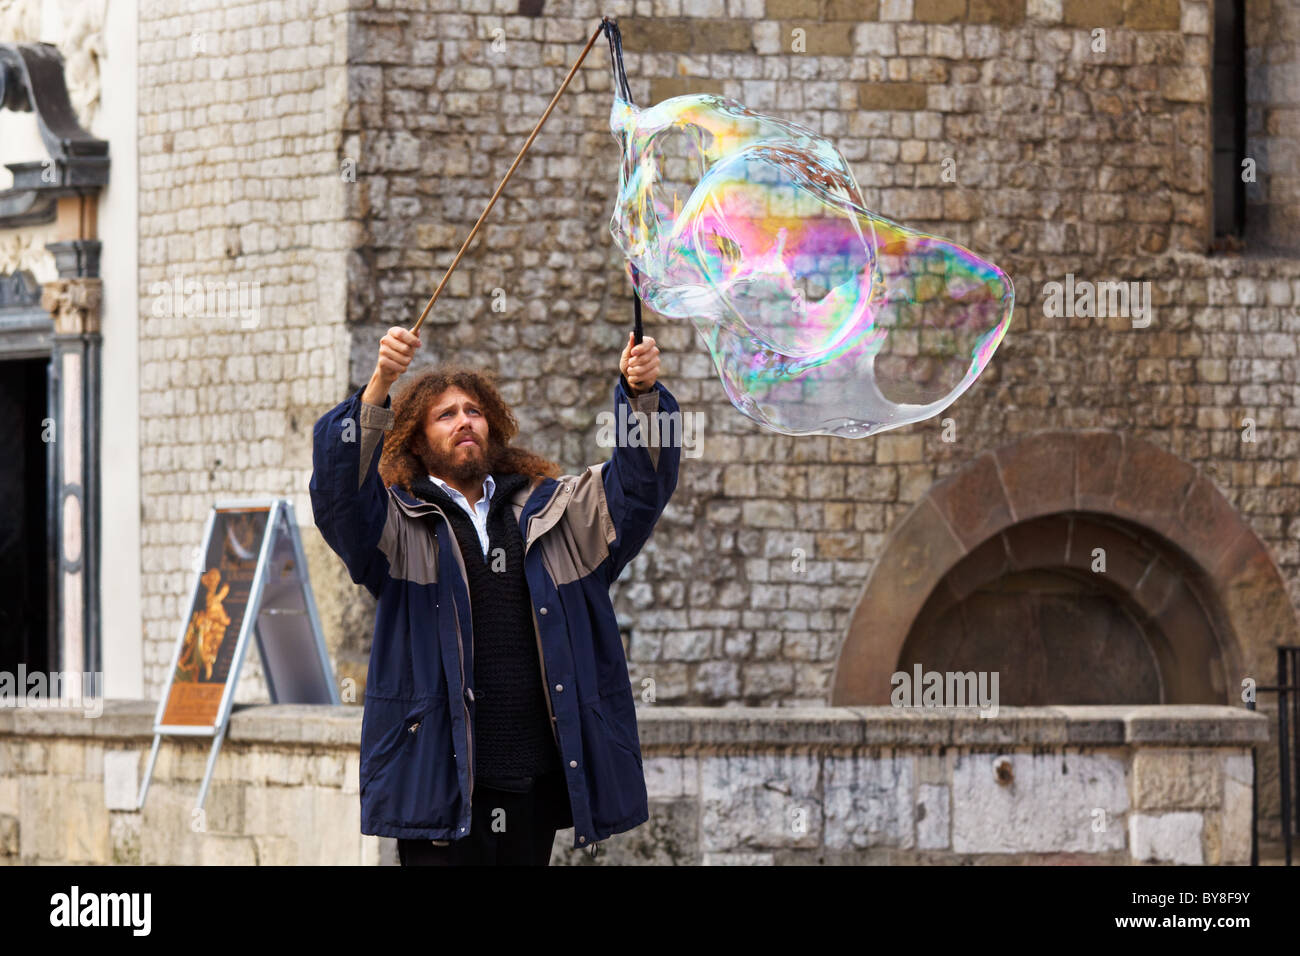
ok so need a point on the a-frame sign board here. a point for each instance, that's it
(250, 582)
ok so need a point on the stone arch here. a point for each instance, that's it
(1196, 539)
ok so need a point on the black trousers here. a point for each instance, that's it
(508, 828)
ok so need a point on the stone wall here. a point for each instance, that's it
(1069, 159)
(241, 201)
(1273, 122)
(726, 786)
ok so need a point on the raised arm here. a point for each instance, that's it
(348, 499)
(641, 474)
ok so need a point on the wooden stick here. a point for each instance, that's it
(510, 172)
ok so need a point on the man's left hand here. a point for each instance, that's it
(640, 364)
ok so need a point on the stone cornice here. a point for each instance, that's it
(665, 730)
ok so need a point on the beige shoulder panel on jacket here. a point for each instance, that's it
(409, 545)
(574, 528)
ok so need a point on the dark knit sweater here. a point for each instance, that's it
(512, 727)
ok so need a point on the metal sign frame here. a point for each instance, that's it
(280, 524)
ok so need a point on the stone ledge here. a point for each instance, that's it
(670, 728)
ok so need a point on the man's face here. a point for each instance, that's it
(457, 434)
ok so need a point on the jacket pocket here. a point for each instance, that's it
(377, 752)
(412, 778)
(619, 715)
(615, 777)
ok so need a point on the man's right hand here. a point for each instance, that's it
(396, 349)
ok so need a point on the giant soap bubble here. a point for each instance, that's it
(821, 317)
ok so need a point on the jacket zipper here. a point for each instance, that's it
(546, 688)
(541, 657)
(469, 726)
(460, 649)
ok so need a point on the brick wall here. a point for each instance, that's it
(241, 108)
(1068, 159)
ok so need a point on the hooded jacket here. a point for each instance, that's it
(580, 532)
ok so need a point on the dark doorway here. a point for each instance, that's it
(1054, 635)
(1075, 608)
(24, 557)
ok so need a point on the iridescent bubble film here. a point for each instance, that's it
(821, 316)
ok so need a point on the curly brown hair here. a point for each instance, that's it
(405, 454)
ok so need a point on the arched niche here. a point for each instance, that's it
(1198, 587)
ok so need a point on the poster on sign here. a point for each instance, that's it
(250, 584)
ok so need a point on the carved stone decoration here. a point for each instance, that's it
(74, 304)
(26, 329)
(25, 252)
(31, 78)
(20, 20)
(83, 46)
(19, 291)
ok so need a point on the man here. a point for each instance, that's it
(498, 707)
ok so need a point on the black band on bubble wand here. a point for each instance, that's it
(636, 309)
(625, 93)
(615, 38)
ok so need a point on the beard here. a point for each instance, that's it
(472, 464)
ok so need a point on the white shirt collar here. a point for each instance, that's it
(489, 489)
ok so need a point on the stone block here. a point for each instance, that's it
(738, 859)
(277, 850)
(326, 770)
(759, 802)
(933, 812)
(1234, 830)
(121, 779)
(227, 850)
(84, 823)
(973, 501)
(794, 9)
(1166, 838)
(331, 812)
(167, 834)
(1090, 14)
(1038, 474)
(1053, 803)
(875, 39)
(1044, 11)
(124, 838)
(1003, 13)
(939, 11)
(662, 88)
(1176, 780)
(868, 802)
(892, 96)
(41, 834)
(66, 757)
(351, 782)
(857, 10)
(1152, 14)
(819, 39)
(9, 842)
(273, 810)
(1186, 84)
